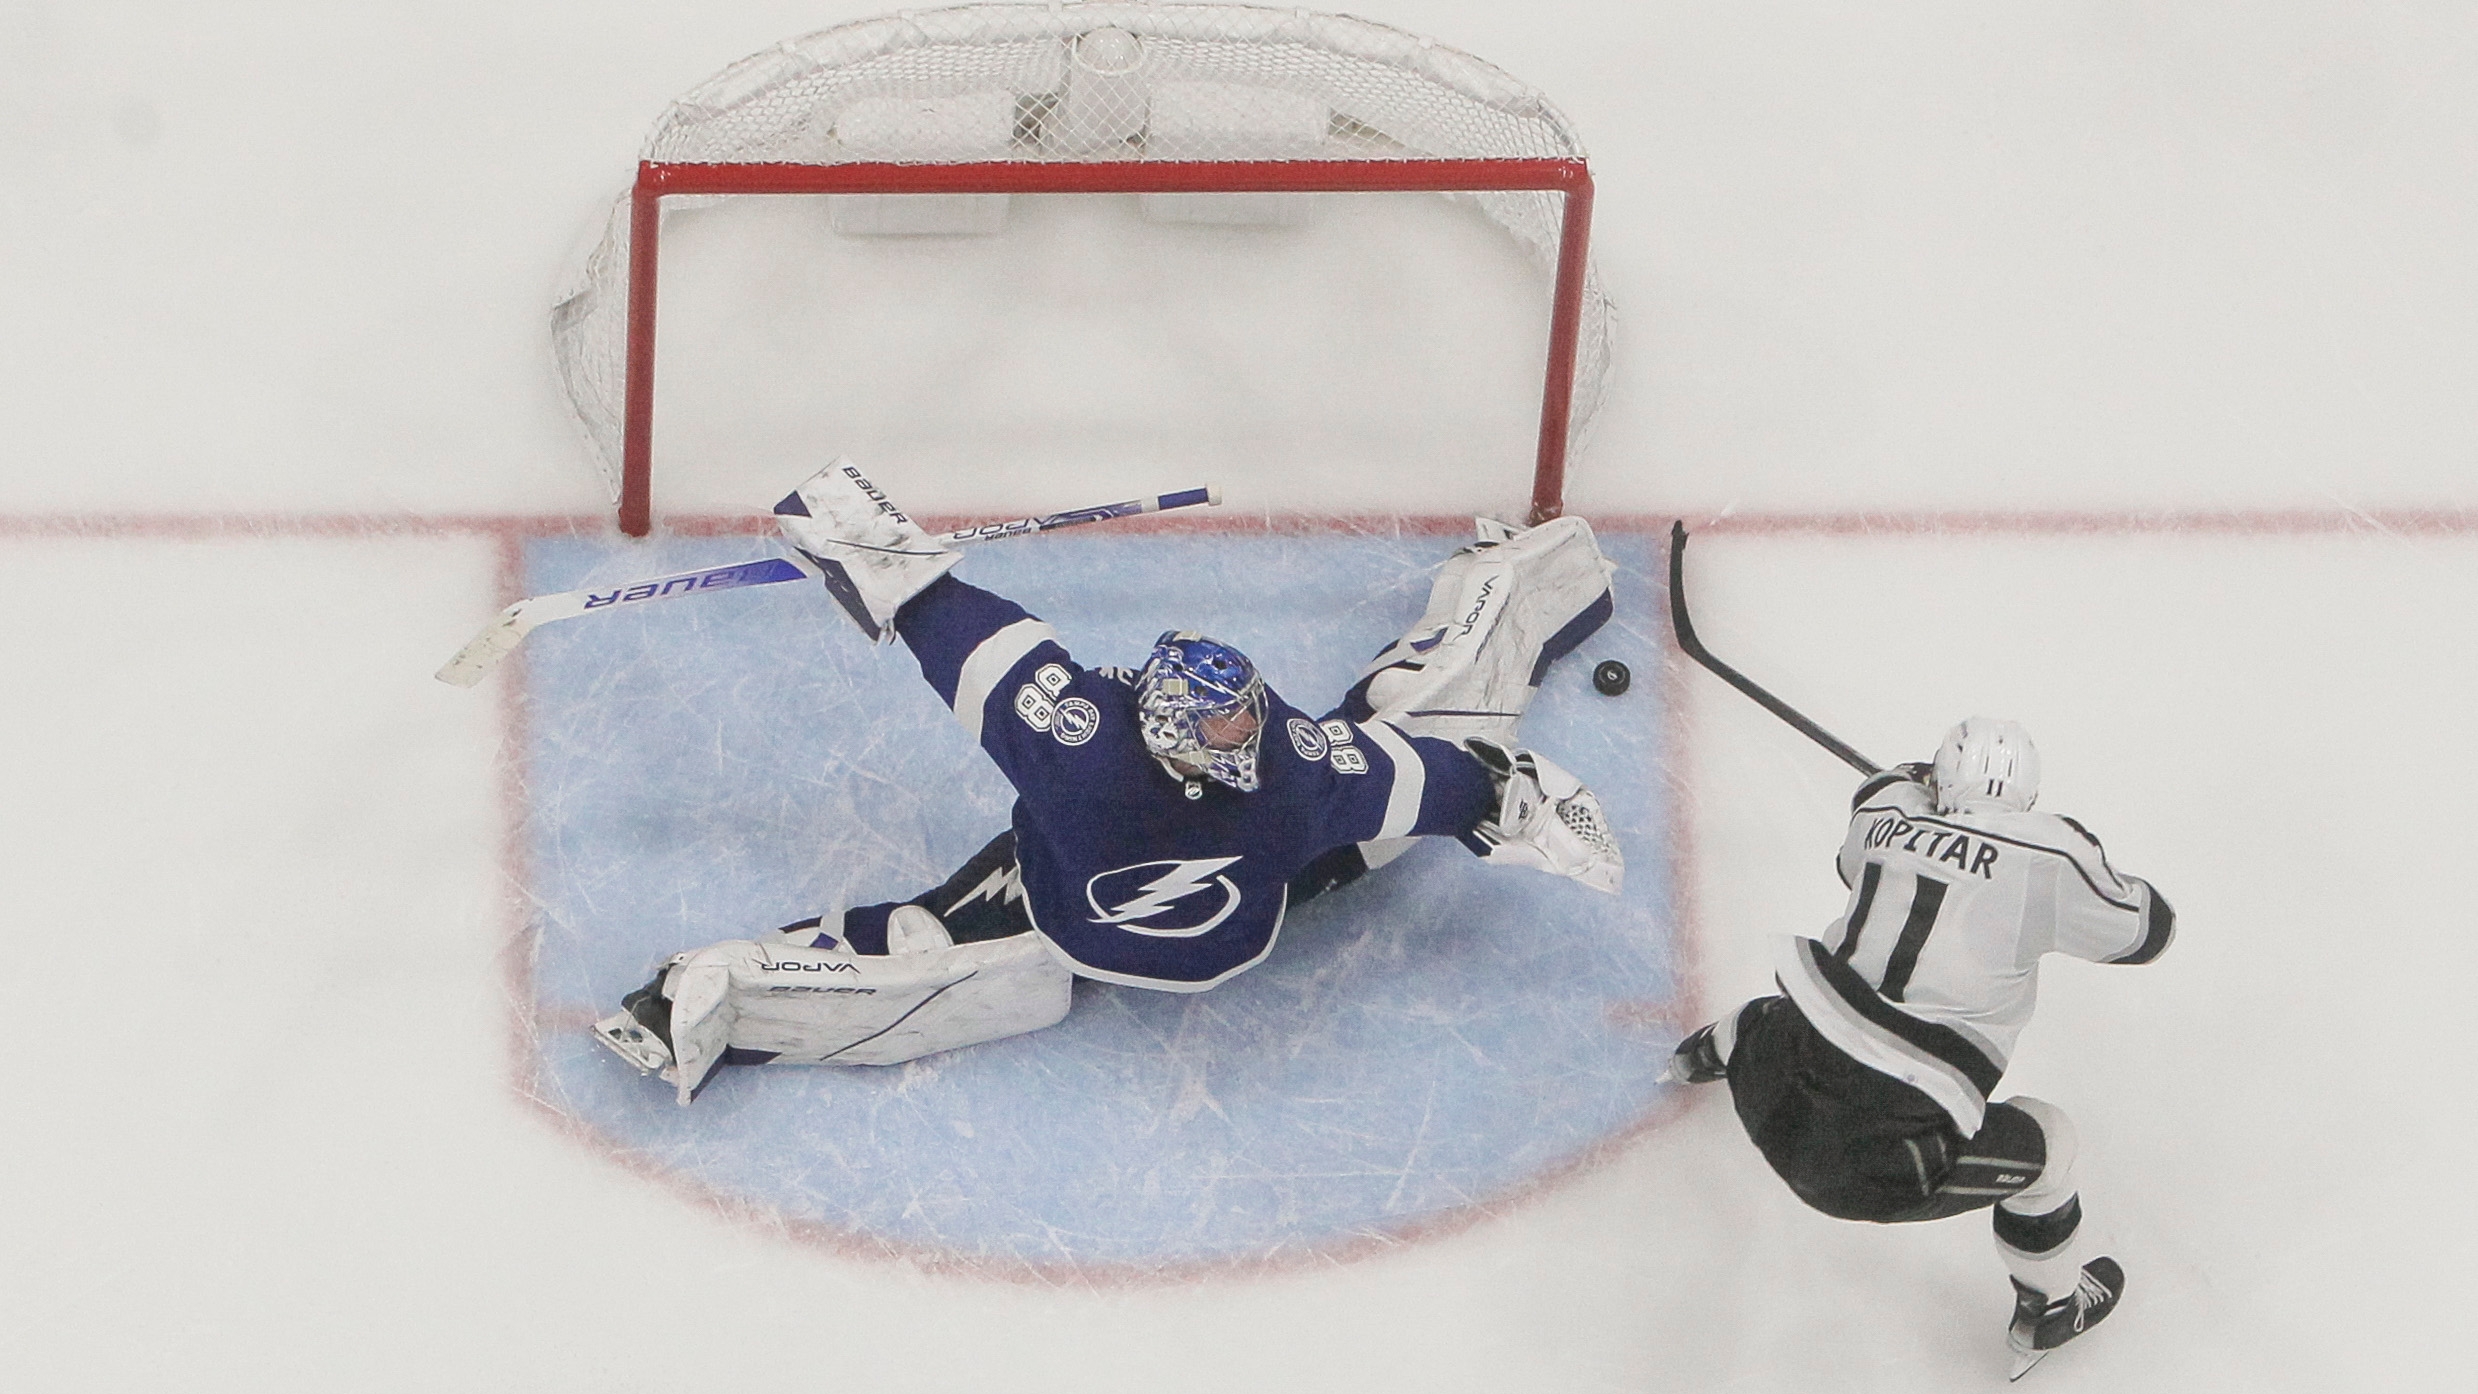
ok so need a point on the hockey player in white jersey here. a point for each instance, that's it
(1165, 818)
(1865, 1083)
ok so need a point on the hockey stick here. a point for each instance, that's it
(1694, 649)
(500, 637)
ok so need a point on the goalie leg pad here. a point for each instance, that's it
(1499, 613)
(871, 556)
(822, 1007)
(744, 1001)
(1546, 820)
(702, 1016)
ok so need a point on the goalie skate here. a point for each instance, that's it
(640, 1031)
(626, 1036)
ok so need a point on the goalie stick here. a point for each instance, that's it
(500, 637)
(1694, 649)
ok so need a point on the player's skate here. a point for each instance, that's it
(2040, 1324)
(1499, 613)
(1545, 820)
(1697, 1059)
(870, 555)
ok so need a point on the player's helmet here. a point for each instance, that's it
(1987, 765)
(1202, 708)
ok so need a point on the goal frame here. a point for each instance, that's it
(660, 179)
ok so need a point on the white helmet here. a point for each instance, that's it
(1987, 765)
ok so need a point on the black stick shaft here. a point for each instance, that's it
(1694, 649)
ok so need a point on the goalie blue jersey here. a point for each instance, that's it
(1127, 876)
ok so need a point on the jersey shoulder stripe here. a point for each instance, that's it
(2111, 889)
(987, 666)
(1402, 801)
(1876, 784)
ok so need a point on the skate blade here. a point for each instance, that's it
(628, 1039)
(2023, 1360)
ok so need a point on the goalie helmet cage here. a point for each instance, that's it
(1092, 99)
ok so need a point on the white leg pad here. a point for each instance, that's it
(702, 1016)
(1470, 665)
(871, 556)
(834, 1007)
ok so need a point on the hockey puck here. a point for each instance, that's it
(1611, 677)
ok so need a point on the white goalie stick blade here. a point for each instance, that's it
(500, 637)
(497, 640)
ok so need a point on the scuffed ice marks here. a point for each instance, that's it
(1434, 1038)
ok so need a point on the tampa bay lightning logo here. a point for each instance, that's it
(1306, 739)
(1171, 899)
(1075, 721)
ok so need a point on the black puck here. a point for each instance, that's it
(1611, 677)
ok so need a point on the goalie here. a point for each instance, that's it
(1165, 818)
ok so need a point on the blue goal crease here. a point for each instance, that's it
(1432, 1038)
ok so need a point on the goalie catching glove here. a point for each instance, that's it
(1545, 820)
(870, 555)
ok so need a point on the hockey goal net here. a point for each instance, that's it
(927, 122)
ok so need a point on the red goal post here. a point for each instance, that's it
(1182, 99)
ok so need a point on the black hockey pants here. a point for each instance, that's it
(1858, 1144)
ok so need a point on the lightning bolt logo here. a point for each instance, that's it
(1170, 894)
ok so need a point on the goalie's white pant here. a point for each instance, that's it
(775, 1003)
(1499, 613)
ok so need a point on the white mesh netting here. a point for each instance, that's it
(1088, 83)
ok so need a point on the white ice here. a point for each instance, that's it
(2166, 314)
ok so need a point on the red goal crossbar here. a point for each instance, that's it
(658, 179)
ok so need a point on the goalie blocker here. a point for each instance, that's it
(872, 556)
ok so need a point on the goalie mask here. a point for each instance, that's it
(1987, 765)
(1202, 709)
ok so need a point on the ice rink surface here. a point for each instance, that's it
(1422, 1050)
(2100, 366)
